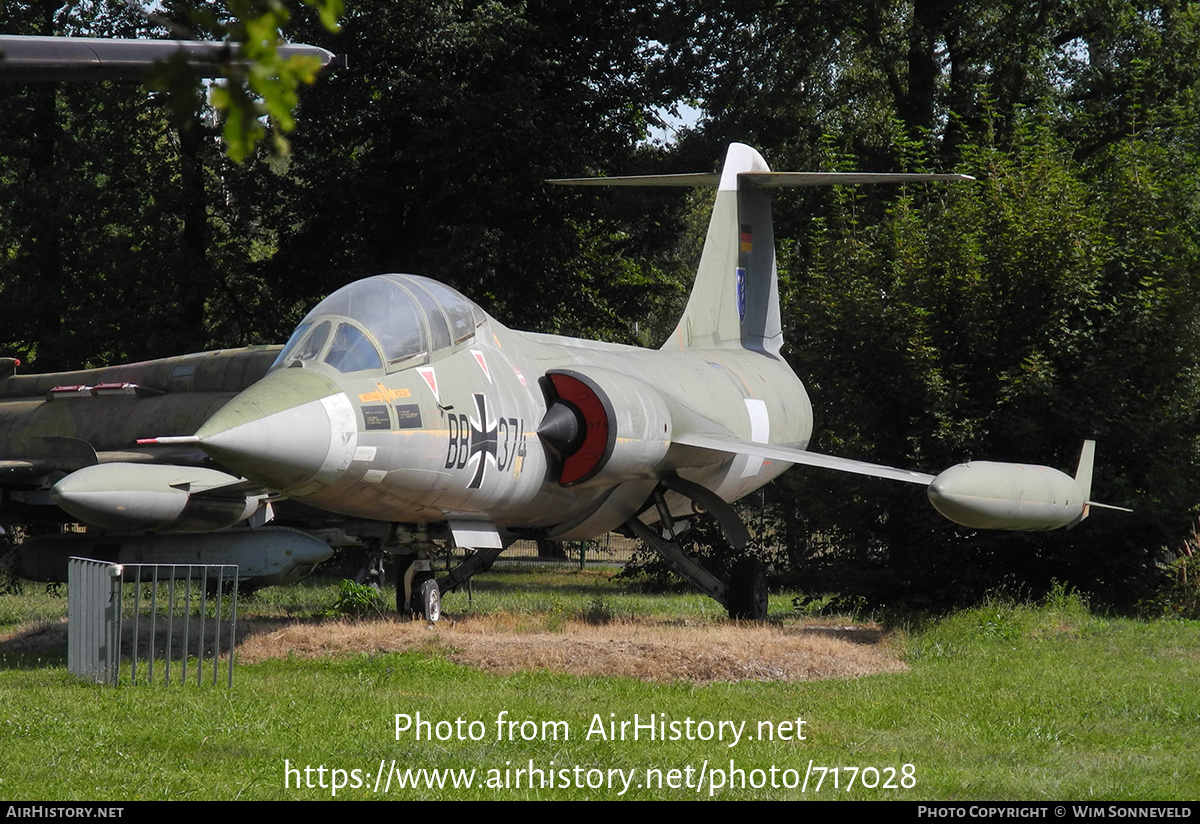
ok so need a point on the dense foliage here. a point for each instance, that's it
(1054, 300)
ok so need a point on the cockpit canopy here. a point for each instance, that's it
(384, 322)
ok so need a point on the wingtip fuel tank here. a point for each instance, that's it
(990, 495)
(151, 497)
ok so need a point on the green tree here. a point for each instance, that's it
(1004, 320)
(784, 74)
(429, 155)
(257, 98)
(123, 235)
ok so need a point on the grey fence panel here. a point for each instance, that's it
(94, 620)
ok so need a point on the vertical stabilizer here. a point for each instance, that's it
(735, 300)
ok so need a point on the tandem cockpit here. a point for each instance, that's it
(388, 322)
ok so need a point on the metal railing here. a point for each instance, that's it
(168, 616)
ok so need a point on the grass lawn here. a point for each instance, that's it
(1023, 702)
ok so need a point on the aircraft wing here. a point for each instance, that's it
(26, 459)
(977, 494)
(736, 446)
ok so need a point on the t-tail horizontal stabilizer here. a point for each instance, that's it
(763, 180)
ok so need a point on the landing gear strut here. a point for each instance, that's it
(417, 591)
(745, 596)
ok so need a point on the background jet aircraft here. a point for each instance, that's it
(24, 57)
(84, 424)
(70, 438)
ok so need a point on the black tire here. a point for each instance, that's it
(748, 591)
(429, 599)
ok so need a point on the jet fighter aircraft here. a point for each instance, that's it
(398, 400)
(67, 431)
(84, 424)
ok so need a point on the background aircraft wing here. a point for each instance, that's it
(736, 446)
(25, 57)
(26, 459)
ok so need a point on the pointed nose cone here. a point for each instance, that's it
(293, 431)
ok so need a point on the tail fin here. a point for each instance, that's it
(1083, 472)
(1083, 477)
(735, 299)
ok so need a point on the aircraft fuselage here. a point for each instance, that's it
(456, 438)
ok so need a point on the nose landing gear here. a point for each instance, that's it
(418, 591)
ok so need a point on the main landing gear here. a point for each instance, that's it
(417, 592)
(429, 599)
(745, 595)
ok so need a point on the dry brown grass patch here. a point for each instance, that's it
(38, 637)
(646, 649)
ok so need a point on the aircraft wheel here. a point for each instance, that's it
(748, 590)
(429, 598)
